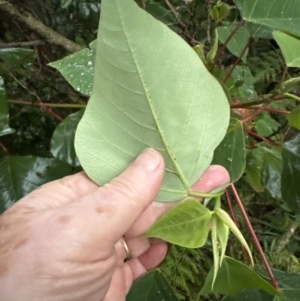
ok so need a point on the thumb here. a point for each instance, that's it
(118, 204)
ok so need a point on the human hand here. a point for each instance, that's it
(63, 241)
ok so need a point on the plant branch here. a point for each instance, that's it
(254, 238)
(238, 26)
(48, 104)
(22, 44)
(233, 215)
(260, 137)
(31, 22)
(4, 148)
(269, 110)
(284, 239)
(237, 61)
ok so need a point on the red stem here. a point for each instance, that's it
(268, 110)
(257, 112)
(237, 61)
(49, 110)
(233, 215)
(238, 26)
(260, 137)
(254, 238)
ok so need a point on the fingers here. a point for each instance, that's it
(214, 177)
(103, 216)
(150, 259)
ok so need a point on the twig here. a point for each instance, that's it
(31, 22)
(258, 101)
(284, 239)
(48, 104)
(22, 44)
(238, 26)
(255, 239)
(237, 61)
(175, 14)
(4, 148)
(269, 110)
(233, 215)
(260, 137)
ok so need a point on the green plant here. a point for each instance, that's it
(236, 42)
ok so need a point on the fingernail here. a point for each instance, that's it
(149, 159)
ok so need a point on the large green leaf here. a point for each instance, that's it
(290, 47)
(150, 90)
(78, 68)
(231, 152)
(5, 129)
(21, 175)
(290, 180)
(238, 41)
(233, 277)
(277, 14)
(62, 142)
(152, 287)
(186, 225)
(271, 171)
(251, 295)
(15, 59)
(288, 282)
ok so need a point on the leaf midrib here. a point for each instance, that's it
(163, 138)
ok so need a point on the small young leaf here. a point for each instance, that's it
(224, 216)
(223, 234)
(234, 277)
(215, 246)
(186, 225)
(290, 85)
(214, 49)
(294, 118)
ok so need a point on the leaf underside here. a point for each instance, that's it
(150, 90)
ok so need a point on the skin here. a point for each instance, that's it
(63, 241)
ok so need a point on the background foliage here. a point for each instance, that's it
(259, 71)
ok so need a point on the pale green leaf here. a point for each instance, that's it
(290, 47)
(224, 216)
(277, 14)
(294, 118)
(150, 90)
(215, 246)
(238, 41)
(290, 84)
(186, 225)
(214, 49)
(223, 234)
(234, 277)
